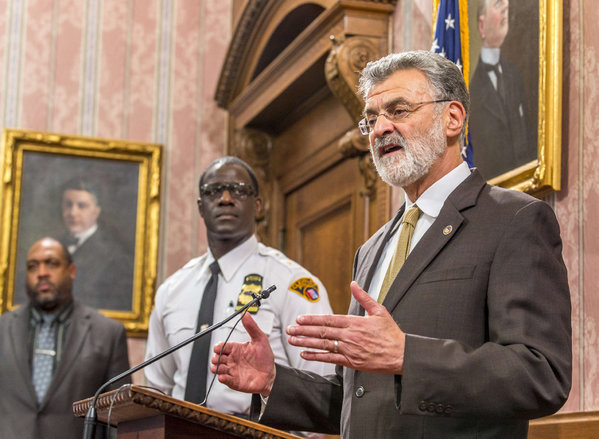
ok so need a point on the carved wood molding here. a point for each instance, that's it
(254, 14)
(343, 66)
(254, 147)
(134, 402)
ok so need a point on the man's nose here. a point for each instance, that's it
(42, 270)
(226, 197)
(382, 126)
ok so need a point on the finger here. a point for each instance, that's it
(252, 327)
(325, 357)
(371, 306)
(218, 348)
(223, 369)
(331, 320)
(322, 332)
(313, 343)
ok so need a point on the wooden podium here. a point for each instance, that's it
(141, 413)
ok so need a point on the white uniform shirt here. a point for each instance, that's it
(178, 299)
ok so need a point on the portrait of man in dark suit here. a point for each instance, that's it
(105, 265)
(502, 126)
(90, 205)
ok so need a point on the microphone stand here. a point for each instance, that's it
(91, 417)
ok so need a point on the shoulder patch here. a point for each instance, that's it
(252, 283)
(306, 288)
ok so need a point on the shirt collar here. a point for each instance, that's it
(431, 200)
(62, 316)
(231, 261)
(83, 236)
(490, 55)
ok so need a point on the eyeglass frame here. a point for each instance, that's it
(220, 189)
(365, 128)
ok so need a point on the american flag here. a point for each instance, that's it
(451, 40)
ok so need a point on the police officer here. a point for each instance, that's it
(239, 265)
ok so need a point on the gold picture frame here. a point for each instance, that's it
(540, 68)
(37, 169)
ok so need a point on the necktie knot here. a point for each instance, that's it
(48, 320)
(411, 216)
(491, 67)
(214, 268)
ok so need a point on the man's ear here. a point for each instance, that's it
(455, 120)
(258, 208)
(200, 207)
(72, 269)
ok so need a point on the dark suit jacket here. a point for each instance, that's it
(486, 310)
(104, 272)
(95, 350)
(502, 135)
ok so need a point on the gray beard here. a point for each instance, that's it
(420, 152)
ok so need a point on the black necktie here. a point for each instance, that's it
(499, 76)
(197, 373)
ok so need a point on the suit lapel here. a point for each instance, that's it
(370, 259)
(19, 337)
(73, 345)
(449, 219)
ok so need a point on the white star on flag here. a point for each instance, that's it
(459, 64)
(449, 22)
(435, 46)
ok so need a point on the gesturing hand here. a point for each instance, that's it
(373, 343)
(246, 367)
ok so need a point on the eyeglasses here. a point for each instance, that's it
(393, 114)
(214, 191)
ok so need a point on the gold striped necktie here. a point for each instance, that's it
(401, 251)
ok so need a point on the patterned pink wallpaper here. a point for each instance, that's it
(143, 70)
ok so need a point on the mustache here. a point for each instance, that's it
(46, 282)
(390, 139)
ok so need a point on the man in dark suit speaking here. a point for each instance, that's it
(459, 325)
(53, 351)
(104, 263)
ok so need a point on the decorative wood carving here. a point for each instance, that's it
(132, 402)
(254, 147)
(342, 69)
(354, 144)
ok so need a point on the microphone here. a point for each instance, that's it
(91, 417)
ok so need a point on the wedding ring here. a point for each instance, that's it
(335, 346)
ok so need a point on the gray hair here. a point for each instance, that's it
(444, 76)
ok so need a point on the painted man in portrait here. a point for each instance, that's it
(104, 264)
(499, 122)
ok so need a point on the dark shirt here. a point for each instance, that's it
(63, 319)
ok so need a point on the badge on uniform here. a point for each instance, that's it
(252, 283)
(306, 288)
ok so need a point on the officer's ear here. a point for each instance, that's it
(200, 207)
(258, 208)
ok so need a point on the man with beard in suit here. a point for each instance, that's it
(459, 325)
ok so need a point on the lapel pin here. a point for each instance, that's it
(447, 230)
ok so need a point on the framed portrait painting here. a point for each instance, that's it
(101, 199)
(513, 67)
